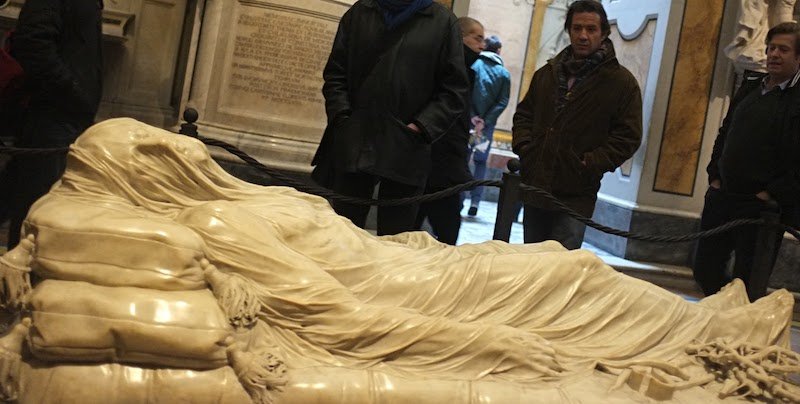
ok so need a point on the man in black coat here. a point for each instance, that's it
(59, 45)
(394, 84)
(450, 155)
(754, 166)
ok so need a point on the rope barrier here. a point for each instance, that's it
(463, 187)
(560, 206)
(327, 193)
(22, 151)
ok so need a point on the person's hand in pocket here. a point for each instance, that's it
(764, 196)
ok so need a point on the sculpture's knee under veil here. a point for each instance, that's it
(139, 207)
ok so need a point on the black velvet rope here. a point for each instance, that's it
(560, 206)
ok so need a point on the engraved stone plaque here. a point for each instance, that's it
(258, 76)
(257, 79)
(274, 65)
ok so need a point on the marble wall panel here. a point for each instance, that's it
(273, 63)
(258, 75)
(635, 55)
(140, 71)
(686, 113)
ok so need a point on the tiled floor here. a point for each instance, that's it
(479, 228)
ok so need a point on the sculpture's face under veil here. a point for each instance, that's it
(130, 140)
(154, 164)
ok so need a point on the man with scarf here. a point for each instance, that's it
(581, 117)
(395, 83)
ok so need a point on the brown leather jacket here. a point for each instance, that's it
(601, 125)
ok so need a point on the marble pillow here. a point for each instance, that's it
(81, 322)
(103, 243)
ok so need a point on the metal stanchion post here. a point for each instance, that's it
(767, 238)
(509, 197)
(189, 128)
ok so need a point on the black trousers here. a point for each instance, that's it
(29, 177)
(544, 224)
(713, 254)
(391, 220)
(444, 216)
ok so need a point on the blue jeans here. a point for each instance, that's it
(479, 159)
(477, 193)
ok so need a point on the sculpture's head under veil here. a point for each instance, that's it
(149, 167)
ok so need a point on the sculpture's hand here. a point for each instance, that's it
(15, 268)
(528, 350)
(234, 294)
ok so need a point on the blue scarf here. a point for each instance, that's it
(396, 12)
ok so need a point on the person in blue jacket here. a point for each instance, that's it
(489, 99)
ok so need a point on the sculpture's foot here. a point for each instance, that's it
(732, 295)
(767, 321)
(235, 295)
(15, 274)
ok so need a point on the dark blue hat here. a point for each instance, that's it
(493, 43)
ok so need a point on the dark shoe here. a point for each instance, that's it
(473, 210)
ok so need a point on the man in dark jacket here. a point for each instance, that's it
(450, 154)
(754, 166)
(59, 45)
(489, 99)
(581, 117)
(394, 83)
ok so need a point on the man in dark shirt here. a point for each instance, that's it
(754, 164)
(395, 83)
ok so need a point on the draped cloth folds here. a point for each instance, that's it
(333, 295)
